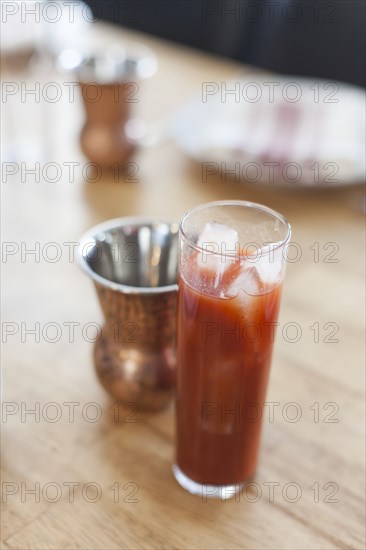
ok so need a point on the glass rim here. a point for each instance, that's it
(245, 204)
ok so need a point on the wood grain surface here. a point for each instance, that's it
(101, 475)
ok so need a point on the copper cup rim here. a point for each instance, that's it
(137, 62)
(89, 236)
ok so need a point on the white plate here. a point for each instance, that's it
(276, 130)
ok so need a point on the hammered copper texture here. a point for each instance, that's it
(135, 355)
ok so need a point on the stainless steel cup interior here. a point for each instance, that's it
(132, 255)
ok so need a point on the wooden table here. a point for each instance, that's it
(106, 482)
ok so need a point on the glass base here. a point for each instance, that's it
(204, 490)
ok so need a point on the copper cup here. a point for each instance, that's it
(133, 264)
(109, 83)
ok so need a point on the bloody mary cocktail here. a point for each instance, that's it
(230, 286)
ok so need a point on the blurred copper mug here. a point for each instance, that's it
(133, 263)
(103, 138)
(109, 88)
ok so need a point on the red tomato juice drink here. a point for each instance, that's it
(232, 266)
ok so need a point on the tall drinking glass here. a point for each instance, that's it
(232, 266)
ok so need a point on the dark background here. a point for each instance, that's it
(324, 39)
